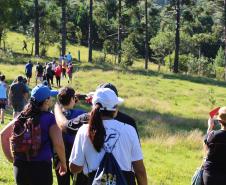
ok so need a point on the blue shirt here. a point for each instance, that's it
(28, 68)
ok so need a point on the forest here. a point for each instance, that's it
(186, 36)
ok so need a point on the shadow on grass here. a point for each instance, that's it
(153, 123)
(194, 79)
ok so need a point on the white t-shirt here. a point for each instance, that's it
(127, 148)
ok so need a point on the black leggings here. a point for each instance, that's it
(58, 81)
(33, 173)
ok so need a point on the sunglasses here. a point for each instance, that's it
(76, 98)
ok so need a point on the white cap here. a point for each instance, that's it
(107, 98)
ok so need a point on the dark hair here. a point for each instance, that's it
(96, 129)
(65, 95)
(31, 110)
(2, 77)
(110, 86)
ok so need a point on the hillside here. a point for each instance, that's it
(171, 112)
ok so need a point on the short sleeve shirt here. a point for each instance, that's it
(121, 136)
(18, 90)
(216, 143)
(47, 120)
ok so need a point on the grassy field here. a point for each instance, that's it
(171, 112)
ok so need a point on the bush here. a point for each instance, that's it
(219, 60)
(128, 52)
(219, 73)
(192, 65)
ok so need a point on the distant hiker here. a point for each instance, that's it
(32, 148)
(58, 71)
(215, 145)
(49, 73)
(18, 95)
(24, 45)
(105, 134)
(39, 73)
(28, 71)
(69, 57)
(3, 97)
(64, 68)
(69, 72)
(67, 99)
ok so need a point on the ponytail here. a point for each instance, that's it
(32, 110)
(96, 128)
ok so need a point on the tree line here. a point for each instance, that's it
(185, 35)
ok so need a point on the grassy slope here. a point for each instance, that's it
(171, 111)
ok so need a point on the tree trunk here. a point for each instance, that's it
(146, 35)
(36, 28)
(119, 31)
(1, 33)
(32, 48)
(177, 38)
(90, 40)
(63, 27)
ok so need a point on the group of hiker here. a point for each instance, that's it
(97, 147)
(61, 69)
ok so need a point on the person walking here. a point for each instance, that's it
(104, 132)
(18, 95)
(67, 99)
(215, 144)
(35, 168)
(3, 97)
(58, 71)
(39, 73)
(28, 71)
(69, 72)
(49, 73)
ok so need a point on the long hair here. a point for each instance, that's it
(31, 110)
(96, 128)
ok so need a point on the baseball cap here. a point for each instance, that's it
(42, 92)
(107, 98)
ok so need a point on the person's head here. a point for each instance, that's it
(25, 80)
(110, 86)
(69, 53)
(2, 78)
(67, 97)
(222, 116)
(29, 61)
(105, 106)
(41, 96)
(20, 79)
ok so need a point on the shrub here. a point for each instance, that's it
(219, 60)
(128, 52)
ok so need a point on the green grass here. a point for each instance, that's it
(171, 111)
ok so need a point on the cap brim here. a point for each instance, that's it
(120, 100)
(53, 93)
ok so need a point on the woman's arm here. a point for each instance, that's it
(58, 144)
(5, 135)
(140, 172)
(75, 168)
(60, 118)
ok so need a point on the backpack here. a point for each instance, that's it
(109, 171)
(26, 138)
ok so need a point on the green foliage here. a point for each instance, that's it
(129, 52)
(219, 60)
